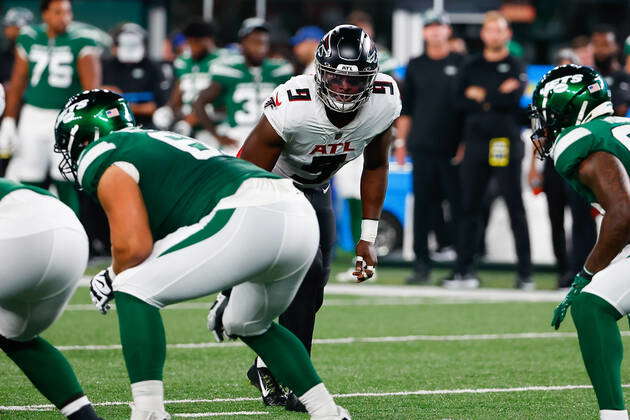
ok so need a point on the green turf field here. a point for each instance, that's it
(386, 358)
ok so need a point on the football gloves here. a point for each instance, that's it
(215, 316)
(101, 290)
(8, 137)
(579, 282)
(163, 117)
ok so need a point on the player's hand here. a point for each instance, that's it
(365, 262)
(182, 127)
(163, 117)
(215, 317)
(101, 290)
(227, 141)
(579, 282)
(8, 137)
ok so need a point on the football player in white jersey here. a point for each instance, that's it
(313, 125)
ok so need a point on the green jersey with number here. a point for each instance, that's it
(244, 88)
(7, 187)
(181, 179)
(194, 75)
(574, 144)
(52, 64)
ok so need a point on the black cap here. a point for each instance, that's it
(252, 24)
(432, 17)
(198, 29)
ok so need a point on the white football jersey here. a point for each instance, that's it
(315, 148)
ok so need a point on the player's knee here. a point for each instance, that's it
(245, 328)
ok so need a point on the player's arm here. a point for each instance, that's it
(207, 96)
(17, 85)
(373, 188)
(122, 201)
(263, 145)
(607, 178)
(89, 68)
(15, 91)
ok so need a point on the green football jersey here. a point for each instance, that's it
(181, 179)
(574, 144)
(52, 64)
(194, 75)
(7, 187)
(244, 89)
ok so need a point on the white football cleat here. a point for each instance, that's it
(137, 414)
(342, 414)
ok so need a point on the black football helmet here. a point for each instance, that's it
(346, 63)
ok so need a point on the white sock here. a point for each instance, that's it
(75, 406)
(148, 395)
(613, 414)
(319, 402)
(260, 363)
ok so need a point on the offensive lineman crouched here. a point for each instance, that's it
(312, 126)
(187, 221)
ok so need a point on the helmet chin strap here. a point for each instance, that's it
(605, 108)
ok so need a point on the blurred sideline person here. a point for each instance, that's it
(53, 62)
(311, 127)
(14, 19)
(241, 85)
(491, 86)
(43, 253)
(347, 179)
(605, 51)
(428, 131)
(559, 195)
(305, 42)
(583, 48)
(183, 219)
(572, 123)
(132, 74)
(192, 75)
(621, 84)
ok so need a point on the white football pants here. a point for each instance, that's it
(261, 242)
(34, 155)
(43, 253)
(613, 283)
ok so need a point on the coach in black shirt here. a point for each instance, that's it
(428, 131)
(491, 86)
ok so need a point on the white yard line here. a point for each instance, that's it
(364, 301)
(500, 295)
(47, 407)
(217, 414)
(351, 340)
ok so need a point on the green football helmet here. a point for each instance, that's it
(85, 118)
(566, 96)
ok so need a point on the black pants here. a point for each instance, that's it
(583, 231)
(299, 318)
(434, 179)
(475, 176)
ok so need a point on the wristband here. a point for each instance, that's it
(586, 274)
(110, 272)
(399, 143)
(369, 229)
